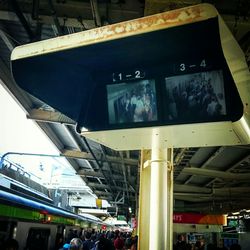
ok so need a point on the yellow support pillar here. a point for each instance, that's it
(156, 200)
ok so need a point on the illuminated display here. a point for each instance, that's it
(197, 96)
(132, 102)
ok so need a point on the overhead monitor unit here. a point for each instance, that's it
(179, 75)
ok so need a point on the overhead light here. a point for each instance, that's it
(232, 217)
(236, 213)
(83, 129)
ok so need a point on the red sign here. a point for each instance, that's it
(190, 218)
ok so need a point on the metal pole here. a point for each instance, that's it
(170, 197)
(160, 201)
(156, 199)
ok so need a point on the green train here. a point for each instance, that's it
(39, 225)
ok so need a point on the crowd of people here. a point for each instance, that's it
(181, 244)
(88, 240)
(110, 240)
(136, 105)
(116, 240)
(196, 96)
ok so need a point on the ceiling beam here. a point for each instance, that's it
(124, 174)
(6, 40)
(89, 173)
(103, 197)
(44, 19)
(98, 174)
(22, 19)
(103, 193)
(80, 155)
(88, 156)
(191, 189)
(55, 18)
(158, 6)
(97, 185)
(108, 165)
(236, 165)
(208, 161)
(103, 186)
(95, 12)
(49, 116)
(202, 190)
(216, 173)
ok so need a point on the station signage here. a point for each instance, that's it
(193, 218)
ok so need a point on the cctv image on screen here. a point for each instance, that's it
(132, 102)
(196, 97)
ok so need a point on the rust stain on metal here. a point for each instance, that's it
(115, 31)
(158, 21)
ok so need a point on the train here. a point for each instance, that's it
(38, 225)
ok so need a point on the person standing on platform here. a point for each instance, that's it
(119, 243)
(103, 244)
(134, 243)
(76, 244)
(88, 243)
(181, 243)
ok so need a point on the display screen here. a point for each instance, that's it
(197, 96)
(132, 102)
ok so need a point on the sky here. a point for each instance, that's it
(17, 133)
(22, 135)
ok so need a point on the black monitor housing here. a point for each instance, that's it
(173, 73)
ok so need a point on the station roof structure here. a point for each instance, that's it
(207, 179)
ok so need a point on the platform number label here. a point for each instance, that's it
(137, 74)
(203, 63)
(120, 76)
(129, 75)
(185, 67)
(182, 67)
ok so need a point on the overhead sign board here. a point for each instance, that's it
(158, 75)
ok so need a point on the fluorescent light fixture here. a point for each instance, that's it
(236, 213)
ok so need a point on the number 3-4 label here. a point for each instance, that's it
(183, 66)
